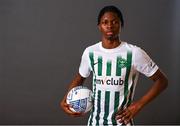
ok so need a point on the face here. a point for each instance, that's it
(109, 25)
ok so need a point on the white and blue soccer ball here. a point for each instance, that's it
(80, 99)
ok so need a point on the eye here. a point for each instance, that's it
(104, 22)
(115, 22)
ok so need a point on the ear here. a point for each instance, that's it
(120, 29)
(99, 27)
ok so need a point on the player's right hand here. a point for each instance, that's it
(66, 109)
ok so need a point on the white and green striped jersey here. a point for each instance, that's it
(115, 73)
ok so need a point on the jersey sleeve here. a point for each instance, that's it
(84, 68)
(143, 63)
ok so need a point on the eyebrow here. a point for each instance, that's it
(107, 19)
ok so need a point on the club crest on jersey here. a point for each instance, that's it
(122, 62)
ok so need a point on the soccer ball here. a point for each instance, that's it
(80, 99)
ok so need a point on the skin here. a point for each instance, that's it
(110, 28)
(77, 81)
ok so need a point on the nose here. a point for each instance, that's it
(110, 25)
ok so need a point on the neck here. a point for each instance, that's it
(110, 43)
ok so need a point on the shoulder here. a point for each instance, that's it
(131, 47)
(137, 52)
(93, 47)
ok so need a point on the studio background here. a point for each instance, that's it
(41, 43)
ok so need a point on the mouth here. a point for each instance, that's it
(109, 33)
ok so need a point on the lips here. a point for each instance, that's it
(109, 33)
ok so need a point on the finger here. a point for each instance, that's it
(77, 114)
(68, 105)
(124, 116)
(120, 118)
(66, 108)
(126, 121)
(120, 111)
(127, 113)
(121, 114)
(72, 113)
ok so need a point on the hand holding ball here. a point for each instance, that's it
(80, 99)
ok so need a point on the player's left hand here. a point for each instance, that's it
(125, 115)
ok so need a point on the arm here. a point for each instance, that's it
(77, 81)
(160, 83)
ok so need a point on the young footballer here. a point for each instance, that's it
(115, 65)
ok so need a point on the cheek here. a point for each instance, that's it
(101, 28)
(118, 28)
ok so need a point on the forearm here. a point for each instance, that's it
(77, 81)
(159, 85)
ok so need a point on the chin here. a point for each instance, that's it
(112, 37)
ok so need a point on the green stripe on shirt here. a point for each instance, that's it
(118, 66)
(116, 104)
(108, 70)
(100, 66)
(106, 107)
(128, 65)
